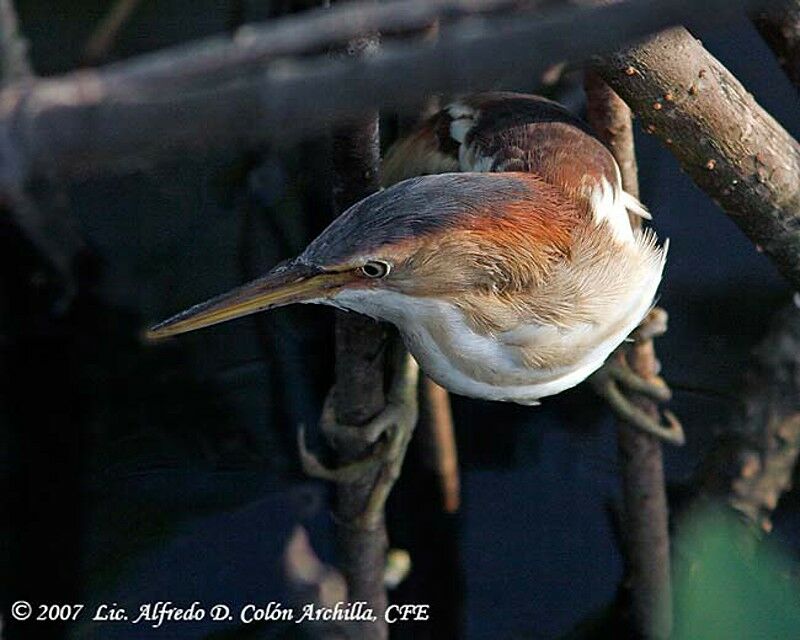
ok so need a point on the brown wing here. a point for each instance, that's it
(496, 132)
(427, 150)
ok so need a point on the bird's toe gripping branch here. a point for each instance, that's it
(616, 373)
(386, 437)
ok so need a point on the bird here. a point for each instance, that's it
(501, 249)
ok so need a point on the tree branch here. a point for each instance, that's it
(731, 147)
(225, 93)
(753, 461)
(646, 533)
(780, 27)
(361, 348)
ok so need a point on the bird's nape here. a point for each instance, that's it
(289, 283)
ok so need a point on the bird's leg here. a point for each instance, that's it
(616, 373)
(396, 421)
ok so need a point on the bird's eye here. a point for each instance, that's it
(376, 269)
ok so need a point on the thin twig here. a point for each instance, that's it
(437, 439)
(103, 38)
(646, 533)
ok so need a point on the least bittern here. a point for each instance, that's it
(512, 280)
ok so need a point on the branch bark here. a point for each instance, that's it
(646, 533)
(780, 27)
(236, 93)
(730, 146)
(360, 366)
(753, 461)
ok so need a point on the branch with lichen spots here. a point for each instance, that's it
(725, 141)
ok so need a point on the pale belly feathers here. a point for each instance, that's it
(492, 366)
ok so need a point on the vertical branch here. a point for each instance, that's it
(645, 503)
(360, 366)
(780, 27)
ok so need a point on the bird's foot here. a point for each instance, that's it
(654, 325)
(616, 374)
(607, 383)
(385, 455)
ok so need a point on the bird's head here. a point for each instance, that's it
(439, 236)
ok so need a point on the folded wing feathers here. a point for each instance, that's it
(635, 207)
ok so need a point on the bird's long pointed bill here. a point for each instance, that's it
(281, 287)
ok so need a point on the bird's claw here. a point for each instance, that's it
(671, 432)
(619, 373)
(385, 459)
(351, 472)
(615, 373)
(345, 435)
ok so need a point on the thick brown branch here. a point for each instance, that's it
(360, 365)
(646, 533)
(752, 464)
(780, 27)
(733, 149)
(225, 93)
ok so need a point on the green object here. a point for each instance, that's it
(730, 585)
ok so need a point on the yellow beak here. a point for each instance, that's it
(284, 285)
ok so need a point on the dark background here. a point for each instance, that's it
(135, 473)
